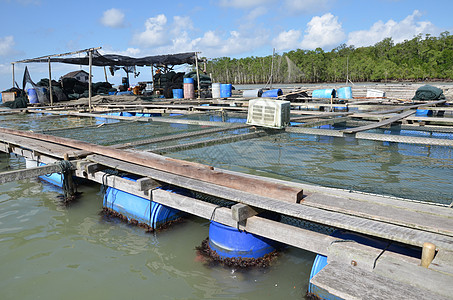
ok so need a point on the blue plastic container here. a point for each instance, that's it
(54, 178)
(424, 112)
(272, 93)
(225, 90)
(228, 242)
(344, 92)
(1, 101)
(324, 93)
(178, 93)
(141, 209)
(127, 114)
(32, 96)
(188, 80)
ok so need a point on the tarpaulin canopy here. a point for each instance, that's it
(121, 60)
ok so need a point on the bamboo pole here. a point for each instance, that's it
(198, 75)
(90, 61)
(192, 170)
(14, 79)
(105, 74)
(50, 84)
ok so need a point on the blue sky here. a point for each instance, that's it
(235, 28)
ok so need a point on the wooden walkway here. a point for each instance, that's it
(395, 220)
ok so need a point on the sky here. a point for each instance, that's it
(233, 28)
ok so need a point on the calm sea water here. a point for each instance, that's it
(50, 251)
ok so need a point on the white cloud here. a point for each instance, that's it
(287, 40)
(256, 12)
(113, 18)
(155, 33)
(6, 45)
(306, 6)
(398, 31)
(243, 3)
(324, 31)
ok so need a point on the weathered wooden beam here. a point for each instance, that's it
(145, 184)
(241, 212)
(180, 167)
(28, 173)
(329, 218)
(290, 235)
(381, 123)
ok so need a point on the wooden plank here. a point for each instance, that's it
(380, 124)
(43, 147)
(284, 233)
(409, 107)
(371, 227)
(177, 136)
(28, 173)
(385, 213)
(180, 167)
(210, 142)
(348, 282)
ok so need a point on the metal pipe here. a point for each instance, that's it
(14, 80)
(198, 74)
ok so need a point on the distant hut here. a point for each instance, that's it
(80, 75)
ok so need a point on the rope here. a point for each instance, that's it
(66, 172)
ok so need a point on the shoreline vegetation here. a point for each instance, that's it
(421, 59)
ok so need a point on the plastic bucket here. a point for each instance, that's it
(32, 96)
(189, 92)
(344, 92)
(188, 80)
(216, 90)
(324, 93)
(225, 90)
(252, 93)
(229, 242)
(178, 93)
(272, 93)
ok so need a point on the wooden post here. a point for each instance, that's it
(152, 77)
(50, 83)
(198, 75)
(428, 252)
(70, 192)
(105, 74)
(90, 62)
(14, 80)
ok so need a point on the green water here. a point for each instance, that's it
(48, 251)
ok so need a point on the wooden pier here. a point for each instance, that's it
(354, 270)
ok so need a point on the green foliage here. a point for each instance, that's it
(416, 59)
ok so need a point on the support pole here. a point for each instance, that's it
(198, 74)
(105, 74)
(90, 61)
(50, 83)
(152, 77)
(272, 69)
(14, 80)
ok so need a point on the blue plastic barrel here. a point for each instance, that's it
(178, 93)
(188, 80)
(229, 242)
(127, 114)
(344, 92)
(272, 93)
(225, 90)
(423, 112)
(141, 209)
(32, 96)
(324, 93)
